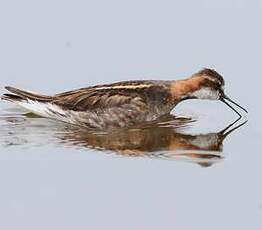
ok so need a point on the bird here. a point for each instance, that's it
(123, 104)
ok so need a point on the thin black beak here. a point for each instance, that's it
(223, 98)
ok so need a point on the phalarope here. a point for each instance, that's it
(122, 104)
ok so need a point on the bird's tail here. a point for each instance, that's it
(18, 95)
(35, 103)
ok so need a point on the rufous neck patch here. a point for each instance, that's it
(182, 88)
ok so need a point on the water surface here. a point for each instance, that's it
(177, 174)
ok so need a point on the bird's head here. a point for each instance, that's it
(210, 85)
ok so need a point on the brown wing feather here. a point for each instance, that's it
(103, 109)
(91, 99)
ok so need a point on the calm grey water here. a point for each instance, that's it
(181, 174)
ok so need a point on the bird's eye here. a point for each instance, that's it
(217, 86)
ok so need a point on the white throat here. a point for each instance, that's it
(206, 93)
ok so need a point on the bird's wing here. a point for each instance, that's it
(92, 99)
(104, 108)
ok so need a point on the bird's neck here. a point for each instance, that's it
(183, 89)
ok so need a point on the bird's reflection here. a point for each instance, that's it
(163, 139)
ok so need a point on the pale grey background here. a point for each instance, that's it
(51, 46)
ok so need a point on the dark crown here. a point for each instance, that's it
(212, 75)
